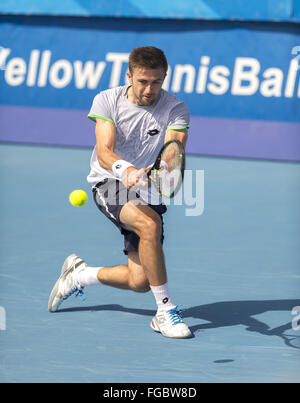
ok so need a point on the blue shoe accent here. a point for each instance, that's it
(78, 292)
(81, 295)
(175, 315)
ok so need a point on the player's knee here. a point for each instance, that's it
(151, 228)
(141, 286)
(143, 289)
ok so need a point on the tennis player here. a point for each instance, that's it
(132, 124)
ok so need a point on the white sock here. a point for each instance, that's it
(162, 297)
(88, 276)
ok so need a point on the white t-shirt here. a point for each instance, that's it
(140, 130)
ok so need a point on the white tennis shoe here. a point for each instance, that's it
(66, 284)
(170, 324)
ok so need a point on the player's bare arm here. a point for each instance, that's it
(105, 142)
(105, 132)
(180, 135)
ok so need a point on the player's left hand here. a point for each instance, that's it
(135, 177)
(142, 176)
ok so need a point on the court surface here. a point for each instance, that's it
(235, 268)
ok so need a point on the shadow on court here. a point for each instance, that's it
(222, 314)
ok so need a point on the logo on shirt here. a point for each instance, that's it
(153, 132)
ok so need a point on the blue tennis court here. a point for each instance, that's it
(234, 268)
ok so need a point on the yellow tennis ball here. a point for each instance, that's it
(78, 197)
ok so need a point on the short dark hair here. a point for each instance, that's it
(148, 57)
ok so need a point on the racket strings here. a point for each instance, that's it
(168, 170)
(169, 175)
(171, 158)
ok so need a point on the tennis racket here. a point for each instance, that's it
(168, 170)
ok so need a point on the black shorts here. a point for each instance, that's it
(110, 195)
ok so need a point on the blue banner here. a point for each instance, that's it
(255, 10)
(224, 70)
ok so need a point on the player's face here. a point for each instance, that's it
(145, 85)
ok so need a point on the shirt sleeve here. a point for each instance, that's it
(179, 118)
(101, 108)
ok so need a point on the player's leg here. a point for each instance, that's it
(146, 265)
(146, 223)
(138, 280)
(145, 269)
(127, 277)
(76, 274)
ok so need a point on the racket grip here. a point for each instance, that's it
(145, 176)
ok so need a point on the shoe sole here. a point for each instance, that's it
(64, 269)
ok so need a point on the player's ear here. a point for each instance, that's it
(129, 77)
